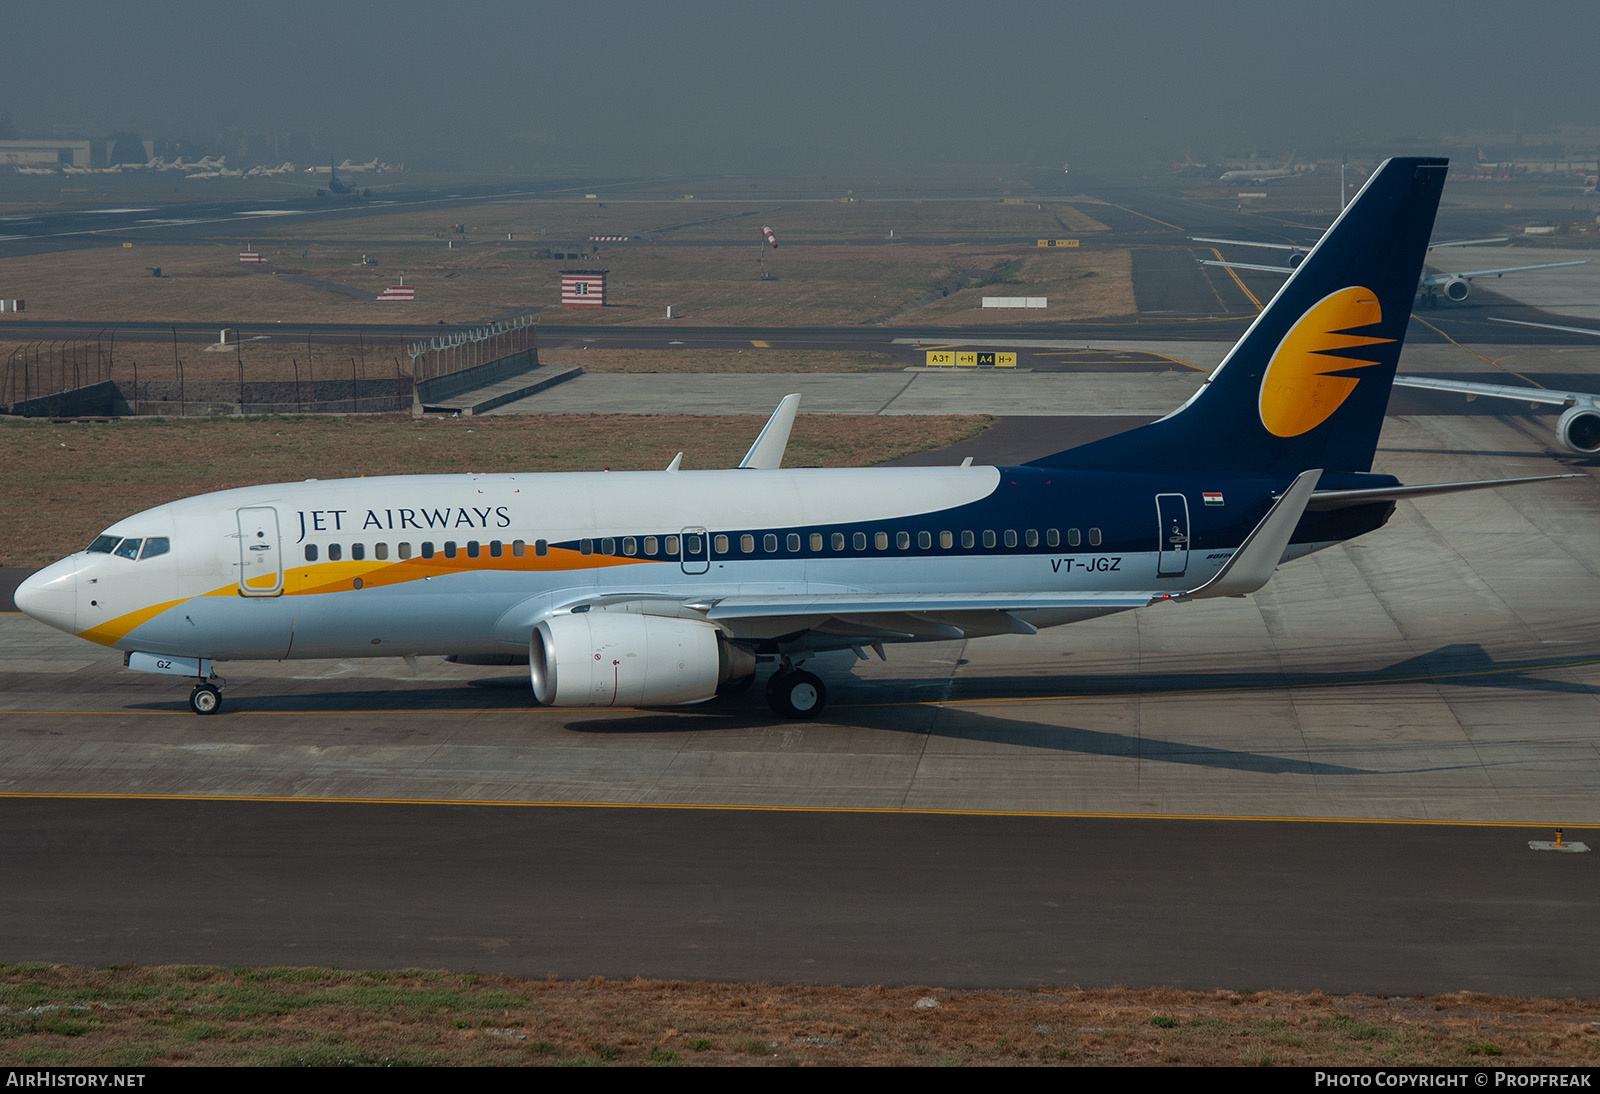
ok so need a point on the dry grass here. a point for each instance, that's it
(1078, 285)
(132, 1017)
(60, 485)
(315, 273)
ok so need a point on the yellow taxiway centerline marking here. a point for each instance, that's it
(756, 342)
(1236, 280)
(749, 808)
(1492, 363)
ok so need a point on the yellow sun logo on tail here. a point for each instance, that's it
(1297, 394)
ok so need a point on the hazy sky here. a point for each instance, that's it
(657, 88)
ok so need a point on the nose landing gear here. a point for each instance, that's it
(205, 698)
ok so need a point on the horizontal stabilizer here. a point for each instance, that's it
(1324, 500)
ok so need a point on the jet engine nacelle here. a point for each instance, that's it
(1295, 258)
(1579, 430)
(1457, 289)
(622, 658)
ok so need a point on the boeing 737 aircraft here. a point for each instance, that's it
(1456, 287)
(659, 588)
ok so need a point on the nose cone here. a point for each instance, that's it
(51, 595)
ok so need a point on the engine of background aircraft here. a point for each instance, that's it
(1579, 430)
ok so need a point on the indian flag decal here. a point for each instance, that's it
(1213, 497)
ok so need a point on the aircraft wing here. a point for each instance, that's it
(1246, 266)
(1251, 243)
(1545, 326)
(1250, 567)
(1441, 278)
(1534, 395)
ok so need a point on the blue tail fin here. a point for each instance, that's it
(1308, 384)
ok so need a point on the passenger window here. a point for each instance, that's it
(720, 545)
(794, 541)
(880, 540)
(630, 546)
(1031, 537)
(769, 543)
(670, 544)
(693, 545)
(449, 548)
(968, 539)
(335, 552)
(496, 548)
(1074, 537)
(1011, 537)
(1094, 537)
(586, 546)
(358, 551)
(924, 540)
(472, 548)
(838, 541)
(405, 551)
(902, 540)
(380, 551)
(519, 548)
(427, 550)
(128, 548)
(988, 537)
(155, 545)
(946, 540)
(311, 552)
(859, 541)
(541, 547)
(747, 544)
(816, 541)
(1052, 538)
(608, 546)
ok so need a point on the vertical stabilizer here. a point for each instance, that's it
(1308, 384)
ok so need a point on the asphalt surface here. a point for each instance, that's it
(958, 902)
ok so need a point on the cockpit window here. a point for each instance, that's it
(128, 548)
(102, 545)
(156, 545)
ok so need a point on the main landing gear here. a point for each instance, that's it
(205, 698)
(794, 693)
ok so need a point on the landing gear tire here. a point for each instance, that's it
(796, 694)
(205, 699)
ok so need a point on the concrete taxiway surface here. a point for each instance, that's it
(1159, 379)
(1436, 669)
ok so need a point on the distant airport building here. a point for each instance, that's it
(583, 288)
(41, 153)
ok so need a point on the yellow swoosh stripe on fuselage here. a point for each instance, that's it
(335, 577)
